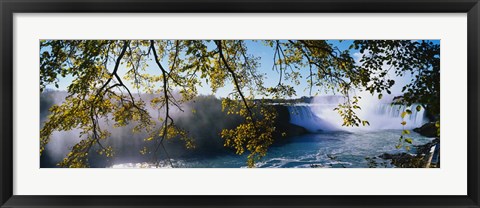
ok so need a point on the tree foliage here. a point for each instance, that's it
(99, 93)
(418, 58)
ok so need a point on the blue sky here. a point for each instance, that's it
(265, 53)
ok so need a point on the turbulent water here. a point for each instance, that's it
(329, 144)
(321, 117)
(325, 150)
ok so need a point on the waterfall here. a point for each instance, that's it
(302, 115)
(320, 116)
(416, 119)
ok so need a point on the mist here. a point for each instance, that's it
(202, 118)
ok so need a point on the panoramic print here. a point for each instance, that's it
(239, 103)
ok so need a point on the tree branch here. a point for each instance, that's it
(234, 77)
(165, 92)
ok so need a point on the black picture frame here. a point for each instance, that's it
(9, 7)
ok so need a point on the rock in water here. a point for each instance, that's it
(428, 130)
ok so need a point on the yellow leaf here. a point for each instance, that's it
(408, 140)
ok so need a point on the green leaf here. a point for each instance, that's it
(364, 123)
(408, 140)
(408, 111)
(380, 96)
(405, 132)
(419, 108)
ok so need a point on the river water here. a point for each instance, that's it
(329, 144)
(322, 150)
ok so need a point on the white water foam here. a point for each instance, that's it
(320, 116)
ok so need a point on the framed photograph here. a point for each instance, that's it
(239, 104)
